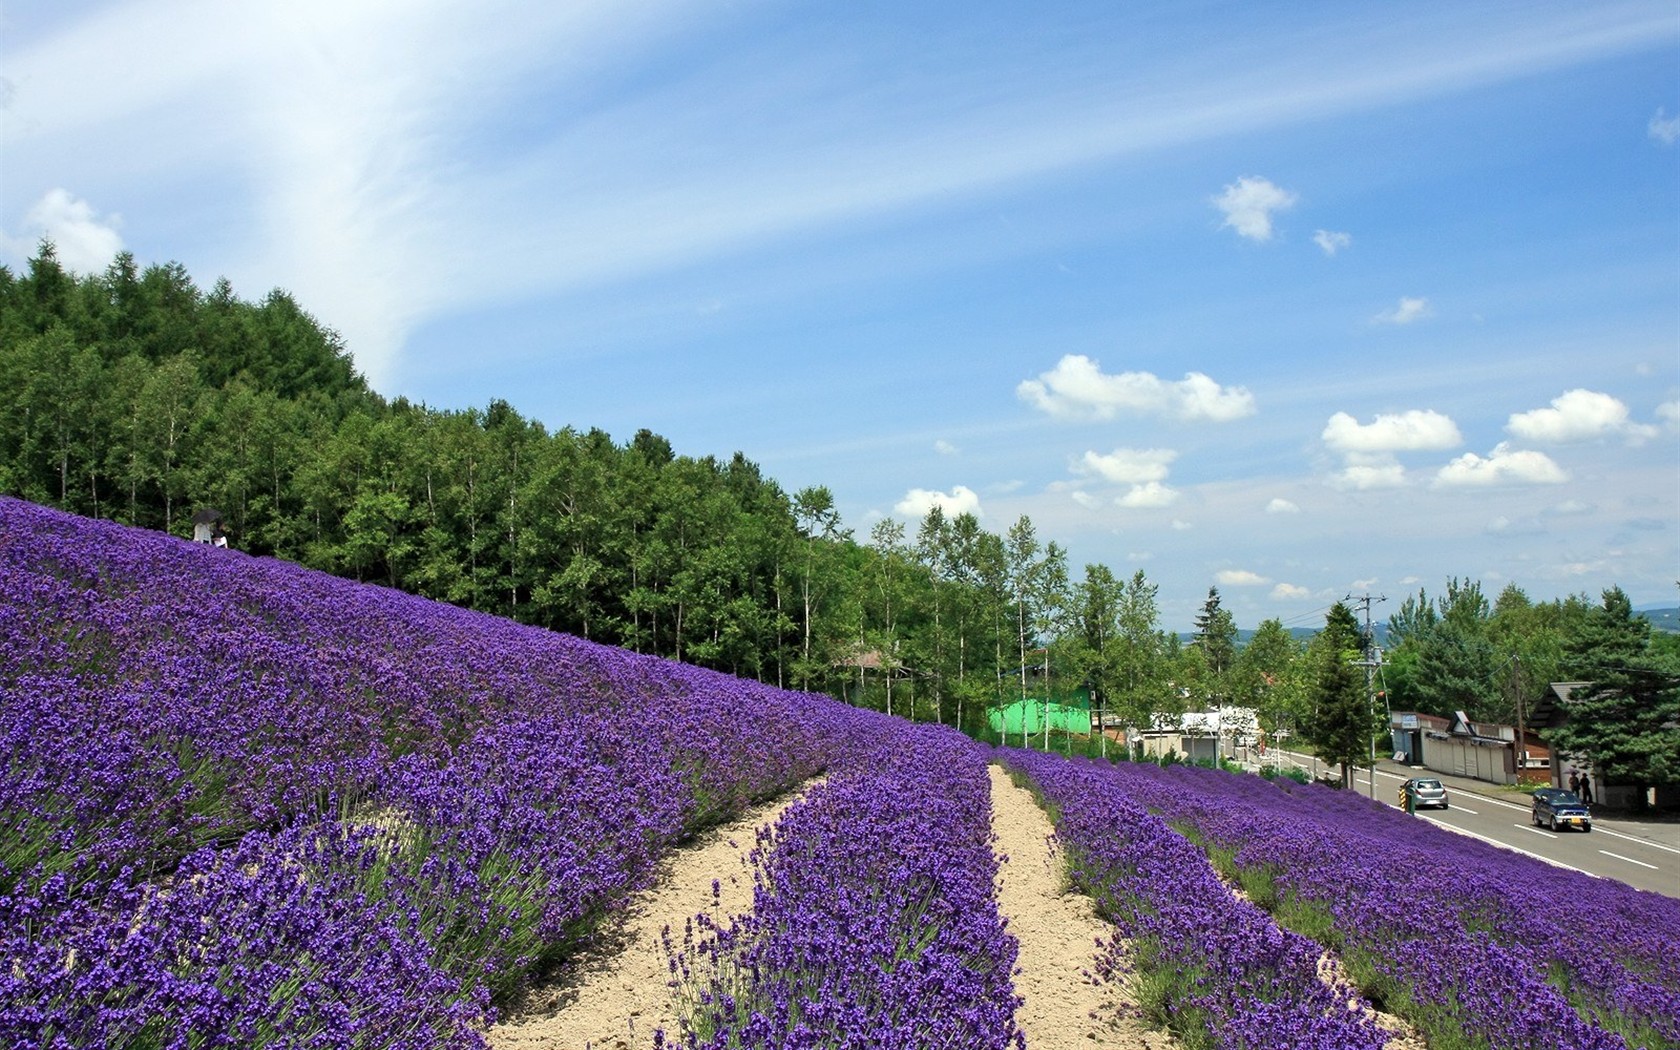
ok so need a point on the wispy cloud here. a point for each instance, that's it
(1664, 128)
(85, 241)
(1332, 241)
(1406, 311)
(945, 448)
(1239, 578)
(1279, 505)
(1077, 388)
(1248, 205)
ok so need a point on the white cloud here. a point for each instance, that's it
(1180, 525)
(1149, 494)
(1503, 465)
(1409, 309)
(960, 500)
(1573, 507)
(1279, 505)
(1085, 499)
(1077, 388)
(945, 448)
(1578, 415)
(85, 242)
(1332, 241)
(1415, 429)
(1371, 476)
(1127, 466)
(1669, 413)
(1248, 205)
(1239, 578)
(1290, 592)
(1664, 128)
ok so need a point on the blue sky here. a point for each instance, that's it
(1293, 300)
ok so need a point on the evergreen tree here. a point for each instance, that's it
(1338, 722)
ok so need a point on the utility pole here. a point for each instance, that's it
(1372, 660)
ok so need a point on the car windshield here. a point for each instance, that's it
(1565, 798)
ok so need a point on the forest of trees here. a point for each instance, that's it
(134, 395)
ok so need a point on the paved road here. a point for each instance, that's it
(1643, 855)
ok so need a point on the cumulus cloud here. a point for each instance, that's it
(1415, 429)
(1279, 505)
(1407, 310)
(1127, 466)
(1085, 499)
(1149, 494)
(1332, 241)
(1077, 388)
(945, 448)
(1578, 415)
(960, 500)
(1239, 578)
(1290, 592)
(85, 242)
(1248, 205)
(1664, 128)
(1504, 465)
(1371, 476)
(1669, 413)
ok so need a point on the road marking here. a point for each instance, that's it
(1630, 860)
(1537, 831)
(1602, 830)
(1467, 809)
(1518, 849)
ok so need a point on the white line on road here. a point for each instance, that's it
(1518, 849)
(1536, 831)
(1602, 830)
(1467, 809)
(1630, 860)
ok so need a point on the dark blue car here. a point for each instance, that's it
(1558, 809)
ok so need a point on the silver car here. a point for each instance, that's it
(1427, 792)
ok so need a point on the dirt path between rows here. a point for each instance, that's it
(1057, 929)
(617, 999)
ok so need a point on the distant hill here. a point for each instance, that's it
(1667, 619)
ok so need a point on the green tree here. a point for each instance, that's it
(1216, 637)
(1339, 721)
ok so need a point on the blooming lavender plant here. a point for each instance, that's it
(244, 804)
(873, 921)
(1463, 939)
(1216, 968)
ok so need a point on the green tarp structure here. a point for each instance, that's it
(1070, 715)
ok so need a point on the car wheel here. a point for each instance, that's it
(1587, 829)
(1445, 806)
(1554, 823)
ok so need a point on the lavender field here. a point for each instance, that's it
(247, 805)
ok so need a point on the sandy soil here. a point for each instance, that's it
(619, 994)
(1057, 930)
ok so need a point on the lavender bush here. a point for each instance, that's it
(1214, 968)
(1478, 947)
(873, 922)
(244, 804)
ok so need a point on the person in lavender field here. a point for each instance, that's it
(219, 538)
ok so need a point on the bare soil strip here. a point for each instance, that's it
(619, 995)
(1057, 929)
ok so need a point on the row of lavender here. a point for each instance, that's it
(873, 923)
(1475, 946)
(1215, 969)
(242, 804)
